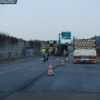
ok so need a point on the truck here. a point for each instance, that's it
(61, 48)
(51, 46)
(84, 50)
(55, 48)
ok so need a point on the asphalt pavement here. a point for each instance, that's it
(29, 81)
(17, 75)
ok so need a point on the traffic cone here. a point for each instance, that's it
(62, 62)
(67, 59)
(50, 70)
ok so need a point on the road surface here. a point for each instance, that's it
(28, 80)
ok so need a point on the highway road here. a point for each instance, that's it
(28, 80)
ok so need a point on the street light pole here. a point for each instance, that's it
(59, 38)
(59, 42)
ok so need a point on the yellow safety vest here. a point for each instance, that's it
(43, 50)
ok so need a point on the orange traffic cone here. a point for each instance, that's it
(67, 59)
(63, 62)
(50, 70)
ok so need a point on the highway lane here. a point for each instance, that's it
(16, 75)
(71, 82)
(70, 78)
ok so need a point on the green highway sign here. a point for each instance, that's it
(66, 35)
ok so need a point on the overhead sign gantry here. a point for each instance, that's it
(8, 2)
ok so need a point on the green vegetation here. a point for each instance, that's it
(6, 38)
(35, 43)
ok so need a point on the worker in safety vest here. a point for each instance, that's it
(43, 54)
(65, 53)
(50, 51)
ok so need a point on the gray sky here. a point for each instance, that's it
(44, 19)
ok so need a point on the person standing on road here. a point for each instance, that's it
(44, 54)
(47, 56)
(65, 53)
(49, 52)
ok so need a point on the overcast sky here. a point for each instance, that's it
(44, 19)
